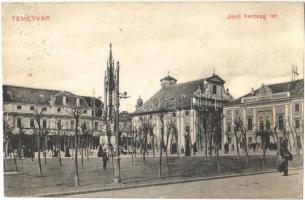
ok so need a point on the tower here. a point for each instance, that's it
(109, 85)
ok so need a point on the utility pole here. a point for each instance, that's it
(117, 177)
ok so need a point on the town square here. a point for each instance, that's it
(153, 100)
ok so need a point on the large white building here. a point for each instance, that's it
(190, 105)
(20, 103)
(276, 110)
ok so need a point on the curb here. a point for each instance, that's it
(121, 186)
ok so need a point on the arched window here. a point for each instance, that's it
(249, 123)
(261, 124)
(268, 123)
(281, 122)
(72, 124)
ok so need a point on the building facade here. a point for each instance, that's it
(272, 111)
(21, 103)
(189, 106)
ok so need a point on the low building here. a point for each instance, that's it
(275, 111)
(188, 106)
(21, 103)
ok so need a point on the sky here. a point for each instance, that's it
(187, 40)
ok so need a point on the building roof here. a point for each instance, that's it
(296, 89)
(35, 96)
(177, 96)
(168, 78)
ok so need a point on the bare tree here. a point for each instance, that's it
(76, 112)
(84, 133)
(7, 133)
(59, 126)
(239, 125)
(38, 114)
(162, 112)
(236, 139)
(152, 136)
(170, 126)
(146, 128)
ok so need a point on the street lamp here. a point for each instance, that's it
(117, 177)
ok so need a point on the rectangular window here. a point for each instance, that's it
(187, 113)
(32, 123)
(268, 125)
(19, 122)
(95, 125)
(261, 126)
(297, 123)
(85, 111)
(214, 89)
(297, 107)
(32, 108)
(44, 109)
(44, 123)
(59, 124)
(58, 110)
(249, 124)
(19, 107)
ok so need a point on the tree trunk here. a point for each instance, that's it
(264, 149)
(153, 145)
(39, 161)
(144, 146)
(161, 146)
(237, 146)
(218, 159)
(206, 144)
(76, 147)
(82, 154)
(167, 138)
(88, 148)
(210, 146)
(14, 156)
(278, 144)
(246, 147)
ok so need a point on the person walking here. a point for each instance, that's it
(285, 157)
(194, 148)
(105, 158)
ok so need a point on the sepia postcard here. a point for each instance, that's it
(153, 99)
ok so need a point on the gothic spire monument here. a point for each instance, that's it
(109, 85)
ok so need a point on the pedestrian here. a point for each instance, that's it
(105, 158)
(194, 148)
(182, 149)
(67, 153)
(100, 151)
(285, 157)
(226, 147)
(187, 150)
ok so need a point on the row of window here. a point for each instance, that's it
(44, 124)
(187, 113)
(268, 126)
(296, 109)
(32, 108)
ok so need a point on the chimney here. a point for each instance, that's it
(77, 101)
(252, 91)
(64, 100)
